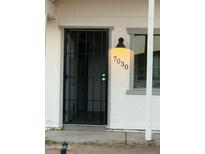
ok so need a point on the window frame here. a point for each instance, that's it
(139, 32)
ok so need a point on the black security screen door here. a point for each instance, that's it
(85, 76)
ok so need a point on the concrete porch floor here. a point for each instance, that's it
(84, 134)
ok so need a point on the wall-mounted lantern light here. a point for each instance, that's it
(120, 44)
(121, 55)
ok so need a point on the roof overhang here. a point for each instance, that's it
(50, 9)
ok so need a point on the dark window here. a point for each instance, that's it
(139, 45)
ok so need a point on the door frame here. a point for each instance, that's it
(61, 89)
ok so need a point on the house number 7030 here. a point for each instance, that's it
(120, 62)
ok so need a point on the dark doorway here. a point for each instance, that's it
(85, 76)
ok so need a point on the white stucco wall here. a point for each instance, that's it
(120, 15)
(53, 75)
(126, 111)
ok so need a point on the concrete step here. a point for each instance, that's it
(98, 135)
(79, 127)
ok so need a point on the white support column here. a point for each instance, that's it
(148, 110)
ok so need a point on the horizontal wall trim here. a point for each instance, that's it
(142, 91)
(61, 27)
(132, 31)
